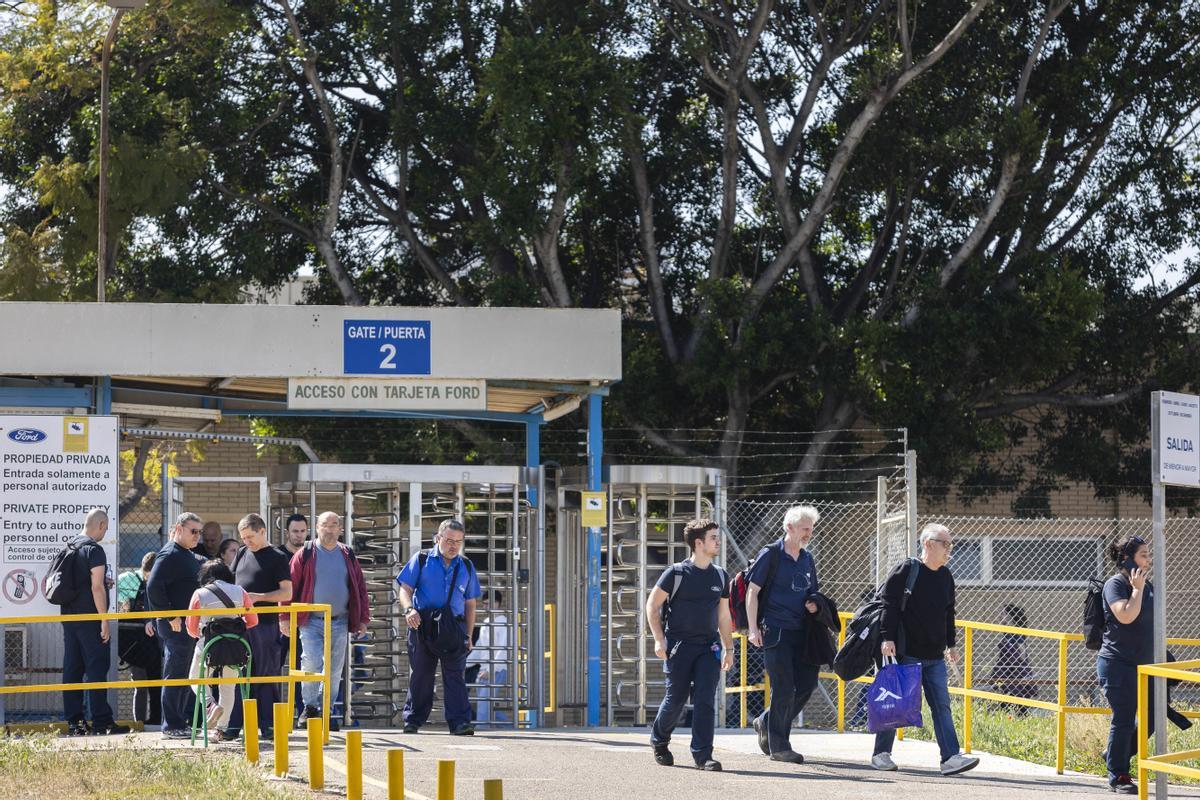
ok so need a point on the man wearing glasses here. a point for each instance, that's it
(438, 588)
(923, 633)
(327, 571)
(783, 581)
(169, 587)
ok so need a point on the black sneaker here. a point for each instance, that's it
(464, 730)
(308, 713)
(177, 733)
(662, 756)
(708, 765)
(111, 729)
(79, 728)
(334, 725)
(788, 757)
(410, 727)
(1123, 784)
(761, 730)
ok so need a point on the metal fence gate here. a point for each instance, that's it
(390, 512)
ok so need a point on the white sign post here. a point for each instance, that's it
(53, 470)
(1174, 460)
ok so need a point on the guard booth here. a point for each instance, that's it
(648, 508)
(391, 512)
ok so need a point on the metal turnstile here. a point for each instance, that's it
(648, 509)
(392, 511)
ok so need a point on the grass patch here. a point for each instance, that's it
(997, 729)
(124, 773)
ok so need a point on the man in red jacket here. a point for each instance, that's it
(327, 571)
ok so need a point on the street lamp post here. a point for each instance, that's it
(121, 7)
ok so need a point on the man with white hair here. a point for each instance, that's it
(85, 644)
(922, 631)
(779, 608)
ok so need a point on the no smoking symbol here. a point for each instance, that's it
(20, 586)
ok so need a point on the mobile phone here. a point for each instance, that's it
(1129, 564)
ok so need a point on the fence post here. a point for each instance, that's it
(1060, 739)
(968, 664)
(445, 780)
(354, 765)
(283, 722)
(841, 725)
(316, 754)
(395, 774)
(493, 790)
(742, 663)
(1142, 734)
(250, 712)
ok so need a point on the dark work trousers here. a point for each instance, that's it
(422, 664)
(84, 654)
(177, 701)
(284, 644)
(792, 683)
(1118, 681)
(690, 666)
(264, 652)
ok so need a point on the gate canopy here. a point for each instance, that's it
(308, 359)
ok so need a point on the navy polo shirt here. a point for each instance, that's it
(795, 582)
(692, 615)
(1132, 643)
(433, 585)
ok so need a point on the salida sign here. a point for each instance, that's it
(1178, 433)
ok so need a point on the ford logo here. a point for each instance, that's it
(26, 435)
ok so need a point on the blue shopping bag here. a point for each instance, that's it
(894, 700)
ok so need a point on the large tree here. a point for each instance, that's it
(964, 218)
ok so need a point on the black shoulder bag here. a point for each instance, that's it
(440, 628)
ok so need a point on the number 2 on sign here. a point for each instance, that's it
(389, 358)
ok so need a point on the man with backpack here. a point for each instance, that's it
(780, 604)
(693, 635)
(80, 571)
(169, 588)
(265, 575)
(438, 589)
(918, 628)
(327, 571)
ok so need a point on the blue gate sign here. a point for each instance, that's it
(385, 347)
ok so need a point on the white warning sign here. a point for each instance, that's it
(53, 470)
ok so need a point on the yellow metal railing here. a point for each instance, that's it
(292, 678)
(1162, 762)
(1059, 707)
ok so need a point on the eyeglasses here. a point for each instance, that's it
(192, 530)
(944, 543)
(448, 540)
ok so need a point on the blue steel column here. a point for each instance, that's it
(595, 449)
(536, 555)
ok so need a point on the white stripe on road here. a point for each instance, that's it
(341, 769)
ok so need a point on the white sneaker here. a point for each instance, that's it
(883, 762)
(959, 763)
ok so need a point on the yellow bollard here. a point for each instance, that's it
(493, 789)
(395, 768)
(445, 780)
(283, 723)
(250, 729)
(354, 765)
(316, 754)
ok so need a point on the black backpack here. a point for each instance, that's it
(59, 584)
(1093, 614)
(225, 637)
(861, 647)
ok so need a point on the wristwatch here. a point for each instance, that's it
(410, 608)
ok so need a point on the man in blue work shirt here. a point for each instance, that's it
(696, 617)
(787, 610)
(438, 588)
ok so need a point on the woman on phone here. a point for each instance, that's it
(1128, 642)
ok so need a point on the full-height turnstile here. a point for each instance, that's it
(648, 509)
(392, 511)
